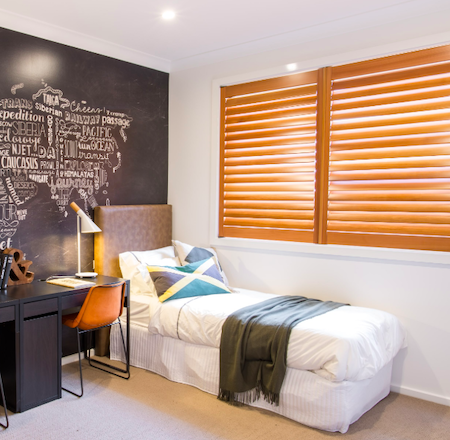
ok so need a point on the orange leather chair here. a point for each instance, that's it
(101, 308)
(4, 404)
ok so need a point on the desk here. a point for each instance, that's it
(31, 339)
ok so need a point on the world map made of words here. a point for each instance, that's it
(47, 139)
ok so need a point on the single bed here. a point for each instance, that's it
(321, 390)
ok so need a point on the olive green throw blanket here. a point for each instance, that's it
(254, 343)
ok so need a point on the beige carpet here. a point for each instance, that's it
(150, 407)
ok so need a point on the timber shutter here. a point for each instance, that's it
(389, 181)
(357, 154)
(268, 158)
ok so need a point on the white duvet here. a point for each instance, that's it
(348, 343)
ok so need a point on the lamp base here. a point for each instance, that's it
(86, 274)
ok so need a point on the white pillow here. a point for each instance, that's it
(133, 265)
(190, 254)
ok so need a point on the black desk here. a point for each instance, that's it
(31, 339)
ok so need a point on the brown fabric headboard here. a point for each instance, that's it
(129, 228)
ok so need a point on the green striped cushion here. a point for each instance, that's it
(195, 279)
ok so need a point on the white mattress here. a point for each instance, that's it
(348, 343)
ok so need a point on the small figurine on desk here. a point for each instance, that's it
(18, 273)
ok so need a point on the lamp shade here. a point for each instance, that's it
(87, 225)
(84, 225)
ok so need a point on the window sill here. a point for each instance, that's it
(334, 251)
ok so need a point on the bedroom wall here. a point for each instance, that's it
(74, 126)
(412, 285)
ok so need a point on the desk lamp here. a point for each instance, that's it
(84, 225)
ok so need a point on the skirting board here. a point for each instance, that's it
(435, 398)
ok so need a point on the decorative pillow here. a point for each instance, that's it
(133, 266)
(195, 279)
(190, 254)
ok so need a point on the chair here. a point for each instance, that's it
(4, 404)
(101, 308)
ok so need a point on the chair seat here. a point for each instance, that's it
(69, 320)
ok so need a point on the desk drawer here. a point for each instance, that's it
(7, 314)
(74, 300)
(37, 308)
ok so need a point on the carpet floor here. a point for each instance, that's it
(147, 406)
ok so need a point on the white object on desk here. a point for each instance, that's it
(73, 283)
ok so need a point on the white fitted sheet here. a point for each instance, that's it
(348, 343)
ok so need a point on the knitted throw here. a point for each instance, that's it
(254, 343)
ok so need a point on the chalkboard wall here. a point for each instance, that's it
(74, 126)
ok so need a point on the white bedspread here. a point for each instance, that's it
(349, 343)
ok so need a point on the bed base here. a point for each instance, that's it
(305, 397)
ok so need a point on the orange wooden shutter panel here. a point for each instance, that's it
(389, 169)
(268, 155)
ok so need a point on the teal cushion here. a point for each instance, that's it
(195, 279)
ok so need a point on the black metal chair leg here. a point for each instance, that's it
(4, 404)
(79, 364)
(121, 370)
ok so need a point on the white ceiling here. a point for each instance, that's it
(205, 27)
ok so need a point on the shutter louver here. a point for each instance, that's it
(268, 145)
(389, 167)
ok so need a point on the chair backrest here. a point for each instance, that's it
(102, 306)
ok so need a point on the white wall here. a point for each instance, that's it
(412, 285)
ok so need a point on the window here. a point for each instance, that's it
(356, 154)
(268, 159)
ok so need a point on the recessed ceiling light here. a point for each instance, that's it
(291, 67)
(168, 15)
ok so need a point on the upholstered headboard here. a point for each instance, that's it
(129, 228)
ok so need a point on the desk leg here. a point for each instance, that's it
(127, 354)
